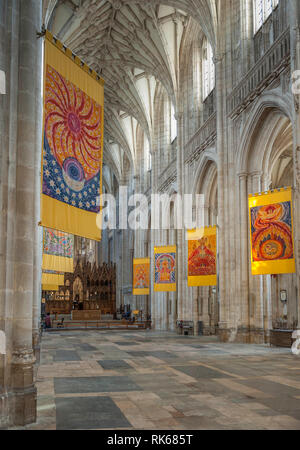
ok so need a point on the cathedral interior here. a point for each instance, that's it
(201, 99)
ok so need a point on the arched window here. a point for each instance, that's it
(148, 159)
(208, 69)
(173, 124)
(262, 10)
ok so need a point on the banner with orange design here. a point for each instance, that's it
(72, 143)
(141, 276)
(165, 269)
(271, 232)
(202, 257)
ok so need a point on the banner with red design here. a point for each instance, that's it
(72, 143)
(271, 231)
(202, 257)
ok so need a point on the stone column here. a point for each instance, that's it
(247, 33)
(293, 8)
(8, 38)
(26, 230)
(221, 141)
(37, 292)
(256, 281)
(19, 221)
(180, 233)
(244, 256)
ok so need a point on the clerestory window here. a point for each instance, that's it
(262, 10)
(208, 69)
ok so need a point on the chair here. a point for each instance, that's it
(61, 324)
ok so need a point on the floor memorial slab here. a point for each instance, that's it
(88, 413)
(66, 355)
(94, 384)
(114, 364)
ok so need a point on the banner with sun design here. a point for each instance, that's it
(72, 143)
(141, 276)
(202, 257)
(271, 231)
(165, 269)
(58, 251)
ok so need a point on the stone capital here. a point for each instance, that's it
(256, 174)
(23, 356)
(178, 115)
(218, 57)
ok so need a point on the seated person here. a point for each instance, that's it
(48, 321)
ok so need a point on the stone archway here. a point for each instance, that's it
(205, 299)
(267, 163)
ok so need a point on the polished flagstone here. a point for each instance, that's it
(150, 380)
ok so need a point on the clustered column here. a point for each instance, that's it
(19, 201)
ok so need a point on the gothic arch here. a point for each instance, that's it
(269, 106)
(265, 160)
(208, 157)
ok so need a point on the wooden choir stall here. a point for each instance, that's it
(88, 294)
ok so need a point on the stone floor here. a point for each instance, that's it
(149, 380)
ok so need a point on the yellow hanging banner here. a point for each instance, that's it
(141, 276)
(58, 251)
(72, 143)
(165, 269)
(49, 287)
(53, 278)
(271, 231)
(202, 257)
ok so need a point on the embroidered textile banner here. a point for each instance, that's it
(271, 231)
(49, 287)
(141, 276)
(202, 257)
(165, 269)
(72, 143)
(53, 278)
(58, 251)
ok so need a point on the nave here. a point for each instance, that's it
(148, 380)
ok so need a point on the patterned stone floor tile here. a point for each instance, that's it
(104, 379)
(88, 413)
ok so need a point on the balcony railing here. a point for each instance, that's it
(168, 176)
(265, 71)
(204, 137)
(209, 105)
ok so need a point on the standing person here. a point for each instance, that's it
(48, 321)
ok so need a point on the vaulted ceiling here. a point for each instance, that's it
(135, 46)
